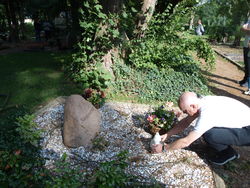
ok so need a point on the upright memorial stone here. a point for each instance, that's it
(81, 122)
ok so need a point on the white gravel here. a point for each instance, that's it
(122, 130)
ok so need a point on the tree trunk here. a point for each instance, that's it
(12, 21)
(75, 30)
(21, 19)
(8, 16)
(147, 11)
(110, 6)
(191, 22)
(237, 40)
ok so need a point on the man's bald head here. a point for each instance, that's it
(187, 99)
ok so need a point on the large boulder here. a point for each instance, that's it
(81, 122)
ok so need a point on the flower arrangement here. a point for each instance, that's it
(96, 97)
(162, 118)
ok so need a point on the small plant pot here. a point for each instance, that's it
(154, 130)
(97, 106)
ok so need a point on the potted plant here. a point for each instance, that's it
(162, 118)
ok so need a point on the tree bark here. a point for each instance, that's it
(12, 20)
(75, 30)
(7, 16)
(237, 40)
(21, 19)
(110, 6)
(191, 22)
(144, 17)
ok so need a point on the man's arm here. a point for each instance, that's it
(180, 126)
(183, 142)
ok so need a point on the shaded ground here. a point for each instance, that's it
(223, 80)
(30, 46)
(31, 78)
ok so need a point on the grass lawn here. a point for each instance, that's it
(33, 78)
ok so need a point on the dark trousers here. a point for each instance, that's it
(220, 138)
(246, 64)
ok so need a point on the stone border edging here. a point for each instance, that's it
(230, 60)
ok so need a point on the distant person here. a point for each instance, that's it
(47, 27)
(199, 30)
(38, 29)
(221, 121)
(245, 82)
(60, 28)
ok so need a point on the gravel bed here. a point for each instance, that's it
(121, 129)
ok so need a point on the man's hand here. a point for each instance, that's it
(156, 148)
(166, 147)
(164, 137)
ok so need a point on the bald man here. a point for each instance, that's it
(222, 121)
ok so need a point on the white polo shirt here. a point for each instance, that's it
(220, 111)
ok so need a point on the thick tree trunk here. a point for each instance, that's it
(8, 16)
(147, 11)
(12, 21)
(21, 19)
(110, 6)
(75, 30)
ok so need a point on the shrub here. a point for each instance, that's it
(157, 85)
(64, 174)
(96, 97)
(112, 173)
(166, 43)
(86, 67)
(21, 164)
(27, 129)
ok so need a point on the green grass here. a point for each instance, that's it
(33, 78)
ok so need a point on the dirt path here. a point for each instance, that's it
(223, 80)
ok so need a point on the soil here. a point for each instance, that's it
(223, 81)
